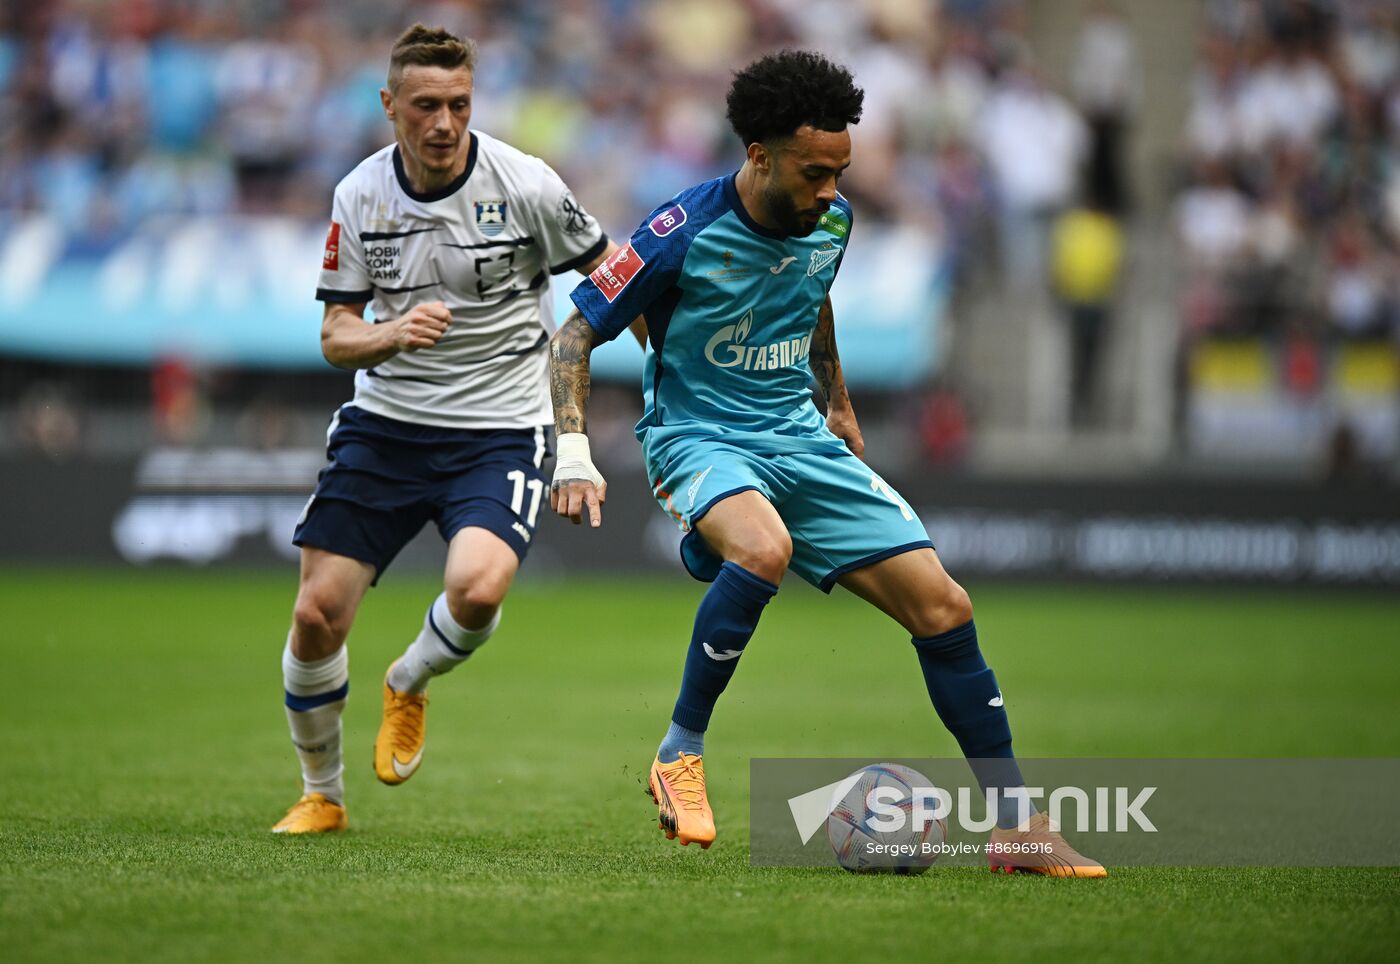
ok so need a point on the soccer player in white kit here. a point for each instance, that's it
(450, 237)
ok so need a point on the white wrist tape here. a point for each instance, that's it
(574, 462)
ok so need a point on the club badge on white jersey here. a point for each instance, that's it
(484, 245)
(491, 217)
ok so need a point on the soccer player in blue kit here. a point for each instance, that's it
(732, 277)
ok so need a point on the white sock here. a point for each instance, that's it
(440, 646)
(316, 694)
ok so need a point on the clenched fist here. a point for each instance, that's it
(422, 326)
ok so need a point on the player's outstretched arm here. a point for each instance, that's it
(577, 484)
(826, 367)
(347, 342)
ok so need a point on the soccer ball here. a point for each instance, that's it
(857, 831)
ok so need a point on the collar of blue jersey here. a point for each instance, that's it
(731, 191)
(445, 191)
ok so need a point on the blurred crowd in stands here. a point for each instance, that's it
(115, 112)
(112, 111)
(1290, 220)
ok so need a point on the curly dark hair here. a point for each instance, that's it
(777, 94)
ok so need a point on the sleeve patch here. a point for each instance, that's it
(617, 272)
(667, 221)
(570, 215)
(330, 261)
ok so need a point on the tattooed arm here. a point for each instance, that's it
(826, 366)
(577, 483)
(569, 379)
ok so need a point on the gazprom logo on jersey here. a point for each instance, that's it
(667, 221)
(727, 349)
(490, 217)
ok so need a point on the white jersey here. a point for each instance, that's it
(484, 245)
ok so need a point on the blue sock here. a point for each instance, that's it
(968, 701)
(725, 621)
(680, 740)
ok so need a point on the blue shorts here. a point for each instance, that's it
(387, 479)
(840, 514)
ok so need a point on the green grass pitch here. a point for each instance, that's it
(145, 756)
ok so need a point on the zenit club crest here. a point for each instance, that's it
(491, 217)
(822, 257)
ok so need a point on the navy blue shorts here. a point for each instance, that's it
(386, 479)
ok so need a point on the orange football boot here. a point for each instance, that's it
(683, 810)
(398, 749)
(1038, 850)
(313, 813)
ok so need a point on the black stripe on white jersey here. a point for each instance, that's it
(535, 282)
(333, 297)
(400, 291)
(582, 259)
(391, 235)
(524, 242)
(539, 343)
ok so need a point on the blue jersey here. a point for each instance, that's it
(730, 307)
